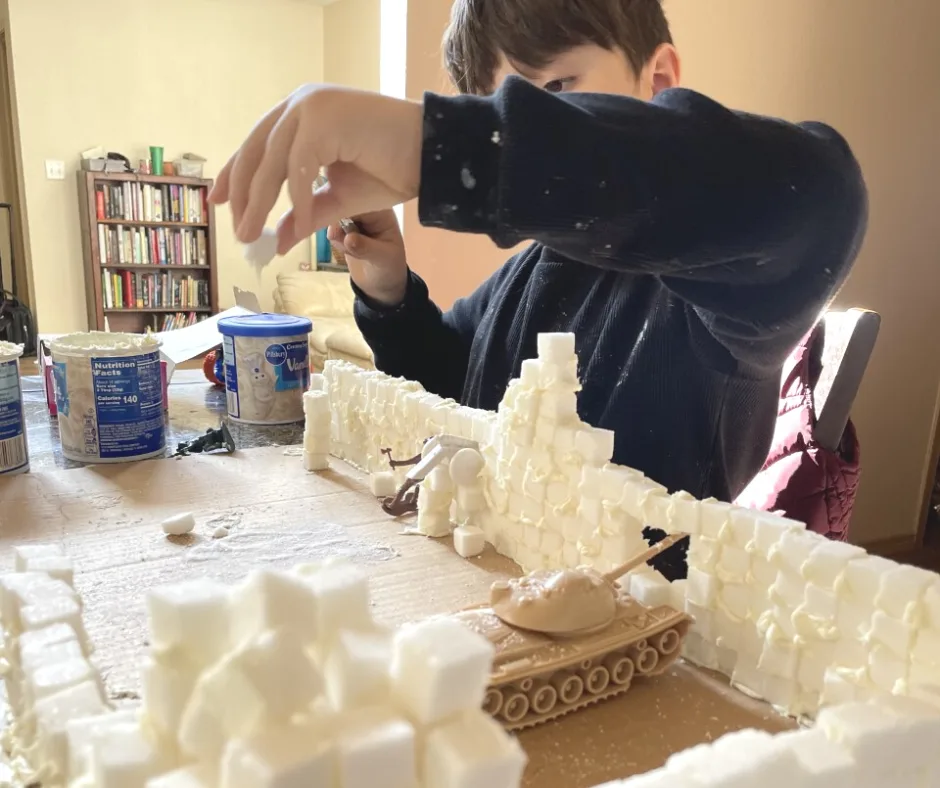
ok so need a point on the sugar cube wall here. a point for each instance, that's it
(789, 615)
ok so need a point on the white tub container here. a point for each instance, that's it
(14, 452)
(267, 367)
(109, 394)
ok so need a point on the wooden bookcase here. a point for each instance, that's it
(148, 243)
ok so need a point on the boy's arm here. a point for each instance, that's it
(752, 220)
(415, 340)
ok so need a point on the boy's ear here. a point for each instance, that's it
(663, 69)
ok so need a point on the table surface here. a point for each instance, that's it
(195, 406)
(108, 519)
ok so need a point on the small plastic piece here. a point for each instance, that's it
(179, 524)
(465, 467)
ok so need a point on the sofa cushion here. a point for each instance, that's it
(315, 294)
(347, 341)
(325, 327)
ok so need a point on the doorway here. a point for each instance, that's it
(13, 266)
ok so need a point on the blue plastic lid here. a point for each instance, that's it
(265, 325)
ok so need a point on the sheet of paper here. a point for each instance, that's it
(182, 344)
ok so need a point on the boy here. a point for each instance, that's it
(688, 247)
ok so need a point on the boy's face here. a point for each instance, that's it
(593, 69)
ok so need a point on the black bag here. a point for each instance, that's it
(16, 321)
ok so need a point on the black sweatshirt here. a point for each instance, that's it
(688, 248)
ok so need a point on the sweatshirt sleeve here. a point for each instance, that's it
(417, 341)
(680, 188)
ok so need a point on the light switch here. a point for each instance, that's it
(55, 170)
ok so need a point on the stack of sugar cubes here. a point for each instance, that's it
(50, 678)
(283, 680)
(317, 425)
(555, 496)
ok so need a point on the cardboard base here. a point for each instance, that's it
(108, 519)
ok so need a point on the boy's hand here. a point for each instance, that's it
(369, 143)
(376, 256)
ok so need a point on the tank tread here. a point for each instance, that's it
(560, 709)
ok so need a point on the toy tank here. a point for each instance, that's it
(546, 665)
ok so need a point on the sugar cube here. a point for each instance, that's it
(356, 669)
(296, 756)
(167, 684)
(382, 484)
(193, 616)
(270, 599)
(24, 552)
(595, 445)
(901, 588)
(268, 679)
(555, 348)
(828, 561)
(316, 461)
(342, 599)
(650, 589)
(469, 541)
(439, 667)
(472, 751)
(53, 715)
(56, 610)
(187, 777)
(58, 567)
(375, 748)
(49, 679)
(83, 731)
(123, 756)
(262, 250)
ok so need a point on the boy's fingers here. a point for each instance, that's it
(219, 193)
(302, 170)
(370, 249)
(335, 233)
(268, 179)
(245, 163)
(287, 237)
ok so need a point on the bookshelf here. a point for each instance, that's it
(148, 243)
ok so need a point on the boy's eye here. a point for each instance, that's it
(559, 85)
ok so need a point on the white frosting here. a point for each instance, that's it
(104, 343)
(9, 351)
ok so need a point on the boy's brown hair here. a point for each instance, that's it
(530, 33)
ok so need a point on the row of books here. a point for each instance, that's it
(134, 290)
(176, 320)
(134, 201)
(120, 245)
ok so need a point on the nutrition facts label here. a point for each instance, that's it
(231, 377)
(128, 395)
(12, 440)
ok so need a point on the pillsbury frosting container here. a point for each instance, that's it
(109, 396)
(267, 367)
(14, 455)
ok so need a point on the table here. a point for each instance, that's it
(195, 406)
(107, 518)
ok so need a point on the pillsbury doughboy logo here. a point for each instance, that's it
(275, 355)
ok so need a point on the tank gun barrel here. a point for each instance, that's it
(641, 558)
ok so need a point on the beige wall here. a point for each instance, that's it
(351, 43)
(866, 67)
(191, 75)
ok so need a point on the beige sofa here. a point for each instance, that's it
(327, 299)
